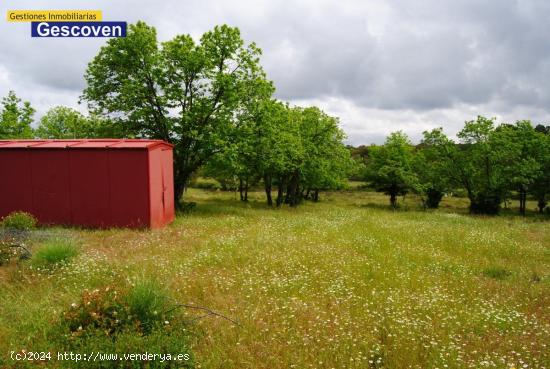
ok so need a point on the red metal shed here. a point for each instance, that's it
(93, 183)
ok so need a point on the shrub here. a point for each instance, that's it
(100, 309)
(20, 221)
(54, 252)
(111, 320)
(496, 272)
(207, 184)
(111, 311)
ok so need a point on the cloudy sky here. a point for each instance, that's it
(379, 66)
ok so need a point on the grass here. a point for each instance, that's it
(147, 301)
(344, 283)
(496, 272)
(53, 253)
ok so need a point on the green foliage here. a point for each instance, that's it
(483, 165)
(211, 100)
(66, 123)
(62, 122)
(300, 149)
(490, 163)
(327, 161)
(540, 187)
(15, 118)
(390, 167)
(430, 165)
(53, 253)
(19, 220)
(181, 91)
(207, 184)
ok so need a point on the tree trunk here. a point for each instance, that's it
(241, 195)
(541, 204)
(522, 200)
(179, 188)
(280, 191)
(293, 189)
(393, 200)
(246, 189)
(267, 186)
(316, 195)
(433, 198)
(288, 193)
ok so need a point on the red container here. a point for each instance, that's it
(93, 183)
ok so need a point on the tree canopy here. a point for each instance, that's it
(185, 92)
(16, 118)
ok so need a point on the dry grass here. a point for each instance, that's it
(344, 283)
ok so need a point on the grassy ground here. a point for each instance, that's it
(344, 283)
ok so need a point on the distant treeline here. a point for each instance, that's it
(212, 100)
(490, 163)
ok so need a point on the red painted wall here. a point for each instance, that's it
(89, 187)
(161, 186)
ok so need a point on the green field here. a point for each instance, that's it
(343, 283)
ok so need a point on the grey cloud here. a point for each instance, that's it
(380, 65)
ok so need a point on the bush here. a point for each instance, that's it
(110, 320)
(20, 221)
(207, 184)
(54, 252)
(100, 309)
(111, 311)
(14, 233)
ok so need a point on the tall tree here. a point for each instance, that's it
(185, 92)
(430, 165)
(481, 169)
(540, 187)
(390, 167)
(16, 118)
(519, 148)
(327, 161)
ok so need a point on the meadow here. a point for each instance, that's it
(342, 283)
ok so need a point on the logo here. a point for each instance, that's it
(78, 29)
(68, 23)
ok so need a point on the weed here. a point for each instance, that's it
(54, 252)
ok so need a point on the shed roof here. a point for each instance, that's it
(82, 144)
